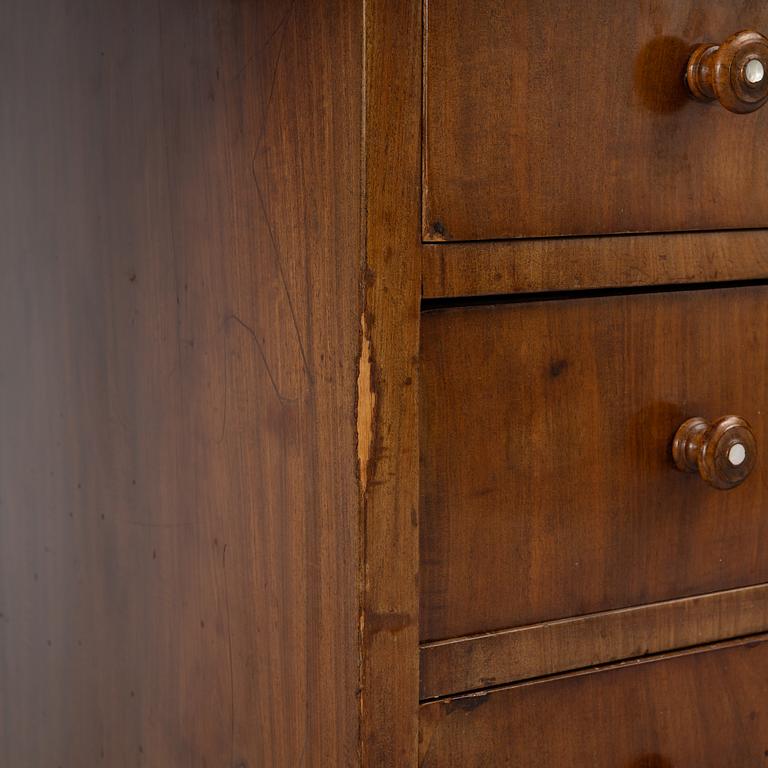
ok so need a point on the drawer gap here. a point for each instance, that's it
(494, 659)
(459, 302)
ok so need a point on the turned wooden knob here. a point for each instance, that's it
(734, 73)
(723, 452)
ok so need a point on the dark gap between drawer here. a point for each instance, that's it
(430, 305)
(442, 244)
(756, 637)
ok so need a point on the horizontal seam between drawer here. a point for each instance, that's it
(459, 302)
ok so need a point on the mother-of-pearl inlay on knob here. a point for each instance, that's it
(737, 454)
(732, 73)
(754, 71)
(723, 453)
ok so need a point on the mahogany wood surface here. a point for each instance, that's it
(480, 661)
(529, 266)
(548, 118)
(212, 261)
(548, 488)
(180, 310)
(702, 709)
(388, 401)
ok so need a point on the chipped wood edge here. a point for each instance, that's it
(387, 415)
(366, 407)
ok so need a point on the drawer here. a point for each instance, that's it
(704, 709)
(548, 488)
(526, 135)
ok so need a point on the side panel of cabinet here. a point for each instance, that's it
(179, 325)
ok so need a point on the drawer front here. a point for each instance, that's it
(704, 709)
(545, 118)
(548, 488)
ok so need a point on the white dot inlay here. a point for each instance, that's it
(754, 71)
(737, 454)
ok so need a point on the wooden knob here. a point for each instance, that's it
(735, 73)
(723, 452)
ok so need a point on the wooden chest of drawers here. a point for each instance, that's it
(544, 120)
(547, 485)
(384, 384)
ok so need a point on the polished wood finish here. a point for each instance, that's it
(180, 245)
(703, 709)
(721, 72)
(210, 261)
(548, 487)
(722, 453)
(548, 118)
(389, 385)
(532, 266)
(480, 661)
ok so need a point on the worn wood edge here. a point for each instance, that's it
(387, 413)
(423, 168)
(470, 663)
(432, 713)
(519, 266)
(365, 416)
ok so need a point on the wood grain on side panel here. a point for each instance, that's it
(179, 321)
(700, 709)
(390, 327)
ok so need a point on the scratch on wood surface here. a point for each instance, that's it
(282, 398)
(281, 273)
(281, 25)
(278, 58)
(282, 29)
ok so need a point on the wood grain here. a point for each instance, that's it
(529, 266)
(547, 118)
(701, 709)
(180, 244)
(481, 661)
(388, 402)
(548, 488)
(210, 258)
